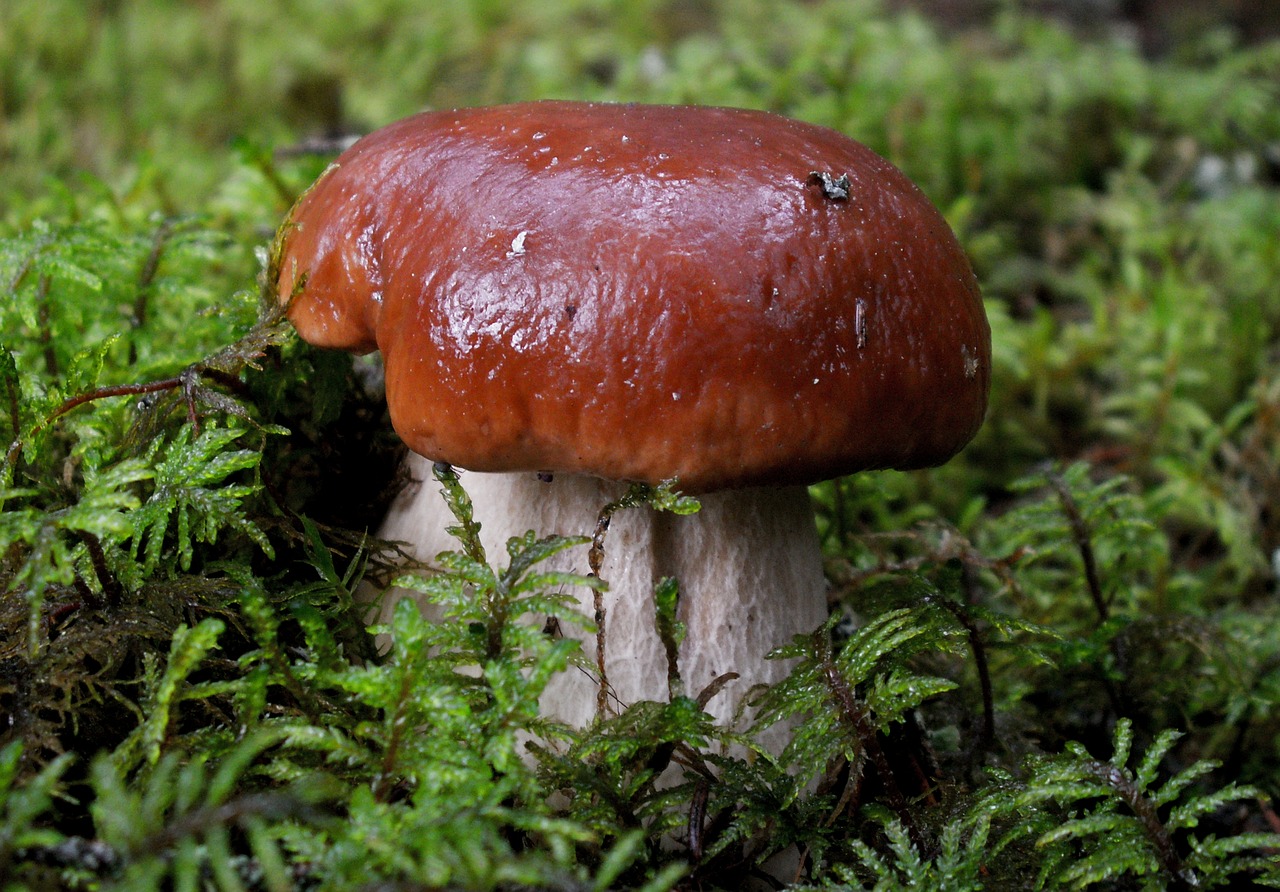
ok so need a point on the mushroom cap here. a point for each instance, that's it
(643, 292)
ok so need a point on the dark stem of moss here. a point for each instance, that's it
(982, 666)
(146, 279)
(385, 782)
(1083, 539)
(43, 317)
(1170, 862)
(13, 399)
(853, 714)
(98, 559)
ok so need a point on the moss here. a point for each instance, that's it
(1052, 661)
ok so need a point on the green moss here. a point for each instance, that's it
(1053, 663)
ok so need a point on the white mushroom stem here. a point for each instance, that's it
(748, 564)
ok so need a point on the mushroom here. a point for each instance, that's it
(614, 293)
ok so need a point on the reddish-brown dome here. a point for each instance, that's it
(644, 292)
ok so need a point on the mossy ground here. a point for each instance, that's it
(1065, 669)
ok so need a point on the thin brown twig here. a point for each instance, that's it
(89, 396)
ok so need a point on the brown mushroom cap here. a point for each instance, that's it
(644, 292)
